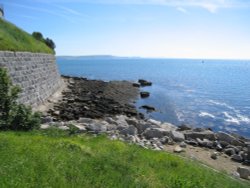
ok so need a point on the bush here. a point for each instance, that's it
(38, 36)
(14, 116)
(49, 42)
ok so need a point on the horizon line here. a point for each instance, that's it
(144, 57)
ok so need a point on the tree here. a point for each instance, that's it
(38, 36)
(50, 43)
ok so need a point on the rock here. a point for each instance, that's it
(154, 122)
(244, 172)
(155, 133)
(136, 85)
(144, 94)
(178, 149)
(81, 128)
(222, 136)
(177, 136)
(113, 137)
(164, 140)
(85, 120)
(223, 144)
(183, 128)
(132, 121)
(96, 127)
(230, 151)
(192, 142)
(183, 145)
(201, 135)
(64, 128)
(237, 158)
(144, 82)
(236, 174)
(131, 130)
(218, 147)
(45, 126)
(148, 108)
(214, 155)
(121, 121)
(168, 126)
(47, 119)
(205, 143)
(142, 126)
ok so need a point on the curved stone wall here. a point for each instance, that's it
(35, 73)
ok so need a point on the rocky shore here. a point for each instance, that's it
(98, 107)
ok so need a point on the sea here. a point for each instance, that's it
(199, 93)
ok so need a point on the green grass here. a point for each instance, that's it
(14, 39)
(54, 159)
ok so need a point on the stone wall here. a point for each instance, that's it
(35, 73)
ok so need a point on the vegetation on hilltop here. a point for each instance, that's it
(53, 158)
(13, 38)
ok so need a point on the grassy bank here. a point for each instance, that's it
(14, 39)
(53, 159)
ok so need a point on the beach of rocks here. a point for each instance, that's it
(98, 107)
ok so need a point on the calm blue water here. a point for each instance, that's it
(213, 94)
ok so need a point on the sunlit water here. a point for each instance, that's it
(209, 93)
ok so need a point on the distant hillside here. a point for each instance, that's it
(13, 38)
(92, 57)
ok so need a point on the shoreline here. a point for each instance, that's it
(95, 106)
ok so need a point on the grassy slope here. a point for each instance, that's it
(14, 39)
(49, 159)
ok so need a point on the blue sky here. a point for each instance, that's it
(146, 28)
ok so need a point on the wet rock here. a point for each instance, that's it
(183, 128)
(201, 135)
(148, 108)
(178, 149)
(237, 158)
(136, 85)
(155, 133)
(144, 94)
(144, 82)
(244, 172)
(177, 136)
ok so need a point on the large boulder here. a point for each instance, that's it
(142, 126)
(97, 127)
(130, 130)
(155, 133)
(244, 172)
(189, 135)
(177, 136)
(222, 136)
